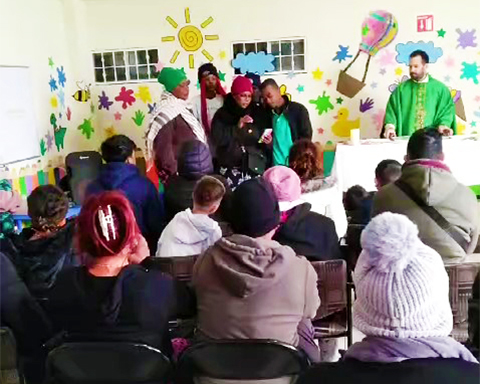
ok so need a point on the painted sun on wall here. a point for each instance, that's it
(191, 38)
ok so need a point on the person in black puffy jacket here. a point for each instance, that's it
(194, 161)
(236, 131)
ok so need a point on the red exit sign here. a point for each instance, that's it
(425, 23)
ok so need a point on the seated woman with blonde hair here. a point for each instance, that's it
(321, 192)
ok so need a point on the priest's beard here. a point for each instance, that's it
(418, 76)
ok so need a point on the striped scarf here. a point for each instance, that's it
(168, 109)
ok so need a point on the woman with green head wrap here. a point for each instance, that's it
(172, 124)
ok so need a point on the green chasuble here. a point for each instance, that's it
(415, 105)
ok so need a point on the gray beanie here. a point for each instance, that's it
(401, 284)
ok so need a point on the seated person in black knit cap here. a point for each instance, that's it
(249, 286)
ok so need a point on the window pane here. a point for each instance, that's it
(276, 64)
(142, 57)
(286, 48)
(99, 75)
(143, 72)
(153, 72)
(108, 59)
(121, 74)
(237, 48)
(250, 47)
(110, 74)
(131, 58)
(262, 46)
(286, 63)
(275, 48)
(299, 63)
(298, 47)
(153, 56)
(97, 60)
(119, 58)
(133, 73)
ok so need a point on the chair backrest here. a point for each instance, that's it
(180, 267)
(107, 362)
(241, 360)
(332, 286)
(8, 357)
(82, 168)
(461, 278)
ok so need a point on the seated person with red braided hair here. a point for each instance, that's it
(111, 297)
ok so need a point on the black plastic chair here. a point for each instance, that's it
(241, 360)
(180, 267)
(107, 362)
(9, 372)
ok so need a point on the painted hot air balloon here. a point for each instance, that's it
(378, 30)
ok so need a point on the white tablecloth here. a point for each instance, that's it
(355, 164)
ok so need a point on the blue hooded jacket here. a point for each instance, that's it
(141, 193)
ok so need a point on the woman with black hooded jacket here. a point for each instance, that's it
(237, 129)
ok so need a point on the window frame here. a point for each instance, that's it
(126, 65)
(269, 50)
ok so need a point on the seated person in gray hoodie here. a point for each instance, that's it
(248, 286)
(192, 231)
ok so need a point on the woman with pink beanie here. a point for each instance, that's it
(310, 234)
(236, 131)
(403, 308)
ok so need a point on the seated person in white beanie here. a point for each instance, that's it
(403, 309)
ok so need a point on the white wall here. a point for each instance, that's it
(71, 29)
(31, 32)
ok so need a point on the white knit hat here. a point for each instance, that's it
(401, 284)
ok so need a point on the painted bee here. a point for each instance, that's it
(83, 94)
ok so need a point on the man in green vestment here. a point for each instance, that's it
(419, 102)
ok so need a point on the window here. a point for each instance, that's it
(289, 53)
(125, 66)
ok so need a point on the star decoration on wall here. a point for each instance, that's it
(328, 82)
(50, 62)
(222, 55)
(383, 71)
(221, 76)
(118, 116)
(441, 32)
(300, 88)
(291, 75)
(398, 71)
(447, 79)
(320, 131)
(477, 99)
(374, 85)
(339, 101)
(473, 124)
(317, 74)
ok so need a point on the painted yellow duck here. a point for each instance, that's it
(343, 126)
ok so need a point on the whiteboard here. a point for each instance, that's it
(18, 131)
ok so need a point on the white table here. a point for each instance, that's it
(355, 164)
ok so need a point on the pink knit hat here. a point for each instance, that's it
(286, 185)
(241, 84)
